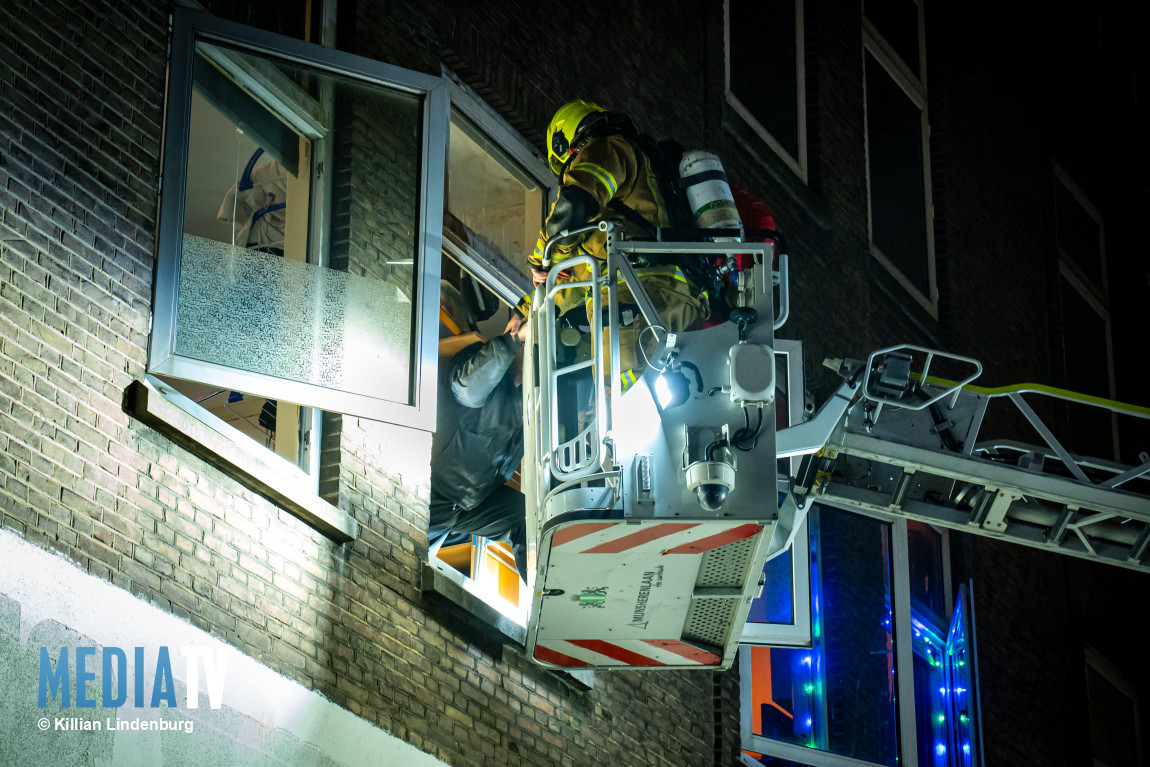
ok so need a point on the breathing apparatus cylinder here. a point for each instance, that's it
(708, 192)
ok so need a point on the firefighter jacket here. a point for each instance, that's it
(608, 168)
(611, 168)
(478, 441)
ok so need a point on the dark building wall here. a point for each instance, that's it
(1013, 103)
(82, 89)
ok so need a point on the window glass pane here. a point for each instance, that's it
(294, 18)
(1113, 725)
(775, 604)
(929, 689)
(959, 665)
(1084, 337)
(926, 583)
(1087, 371)
(930, 693)
(1078, 234)
(763, 61)
(250, 414)
(897, 185)
(897, 21)
(252, 295)
(837, 696)
(493, 206)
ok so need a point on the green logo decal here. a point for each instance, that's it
(594, 597)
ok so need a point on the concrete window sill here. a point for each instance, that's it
(241, 458)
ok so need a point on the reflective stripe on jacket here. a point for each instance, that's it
(609, 168)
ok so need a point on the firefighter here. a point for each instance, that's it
(478, 441)
(605, 175)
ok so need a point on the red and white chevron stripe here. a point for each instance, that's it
(577, 653)
(664, 538)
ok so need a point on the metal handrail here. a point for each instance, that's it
(608, 276)
(952, 390)
(1122, 408)
(1072, 462)
(546, 295)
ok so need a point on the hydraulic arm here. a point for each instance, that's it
(911, 444)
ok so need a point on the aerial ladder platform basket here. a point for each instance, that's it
(652, 511)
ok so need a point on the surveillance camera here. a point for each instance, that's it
(711, 496)
(712, 482)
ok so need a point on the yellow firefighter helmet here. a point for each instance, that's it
(561, 131)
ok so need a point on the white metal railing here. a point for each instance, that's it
(952, 390)
(575, 458)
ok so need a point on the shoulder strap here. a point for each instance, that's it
(664, 156)
(631, 215)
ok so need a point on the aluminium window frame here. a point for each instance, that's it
(1121, 682)
(798, 632)
(902, 631)
(799, 164)
(914, 85)
(463, 590)
(188, 27)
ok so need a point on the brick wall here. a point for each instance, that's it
(79, 159)
(82, 92)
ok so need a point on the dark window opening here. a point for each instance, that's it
(897, 177)
(897, 22)
(764, 66)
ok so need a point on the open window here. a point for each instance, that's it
(480, 568)
(299, 228)
(781, 614)
(963, 733)
(883, 681)
(496, 191)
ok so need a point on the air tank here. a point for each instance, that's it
(708, 192)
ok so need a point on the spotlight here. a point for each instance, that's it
(672, 388)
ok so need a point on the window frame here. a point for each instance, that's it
(902, 615)
(189, 26)
(1096, 295)
(914, 85)
(797, 633)
(468, 592)
(797, 164)
(1121, 682)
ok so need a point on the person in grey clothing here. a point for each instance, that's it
(478, 445)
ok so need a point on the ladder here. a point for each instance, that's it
(907, 443)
